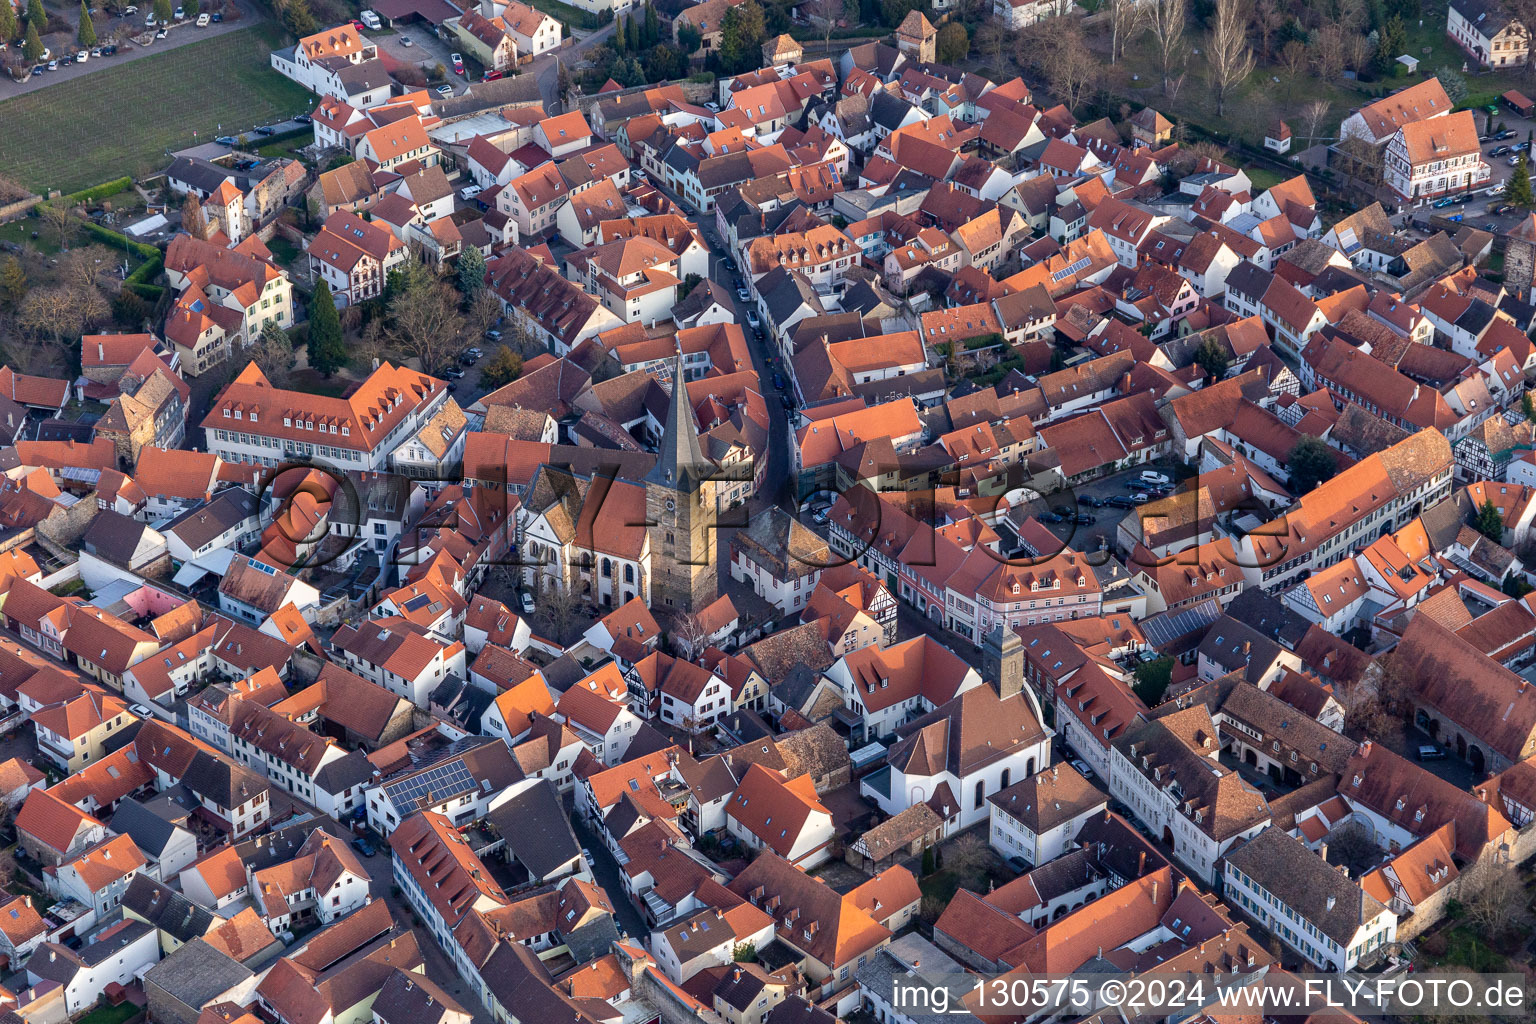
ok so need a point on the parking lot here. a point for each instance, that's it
(118, 29)
(1087, 522)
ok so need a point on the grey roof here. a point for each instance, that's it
(1323, 896)
(197, 974)
(113, 536)
(887, 110)
(197, 526)
(411, 998)
(149, 832)
(680, 463)
(222, 780)
(785, 291)
(362, 77)
(882, 969)
(536, 829)
(1236, 647)
(167, 910)
(1249, 279)
(1269, 616)
(796, 1010)
(703, 295)
(202, 175)
(345, 772)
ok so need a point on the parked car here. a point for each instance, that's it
(743, 294)
(1062, 510)
(752, 319)
(203, 20)
(788, 402)
(445, 90)
(1084, 519)
(53, 65)
(406, 41)
(1507, 133)
(1498, 151)
(469, 192)
(162, 33)
(1048, 517)
(358, 25)
(1139, 499)
(130, 9)
(364, 847)
(491, 335)
(525, 601)
(778, 381)
(1429, 752)
(149, 22)
(458, 63)
(1091, 501)
(227, 140)
(370, 19)
(1149, 476)
(142, 711)
(266, 129)
(490, 76)
(218, 16)
(1441, 204)
(474, 350)
(455, 373)
(181, 12)
(82, 57)
(1082, 767)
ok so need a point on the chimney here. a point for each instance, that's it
(1141, 863)
(1331, 901)
(1322, 850)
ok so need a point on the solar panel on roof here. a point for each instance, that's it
(1068, 271)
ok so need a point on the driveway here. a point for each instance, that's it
(606, 871)
(180, 35)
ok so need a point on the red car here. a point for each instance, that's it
(491, 76)
(359, 26)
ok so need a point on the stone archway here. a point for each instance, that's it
(1476, 759)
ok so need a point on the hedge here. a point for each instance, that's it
(102, 191)
(146, 272)
(150, 293)
(146, 252)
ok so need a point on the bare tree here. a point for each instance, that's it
(1074, 70)
(61, 219)
(1230, 56)
(1312, 117)
(560, 606)
(1125, 17)
(1167, 20)
(1268, 19)
(689, 636)
(483, 312)
(1493, 895)
(61, 312)
(1293, 57)
(425, 322)
(79, 268)
(193, 221)
(1328, 51)
(1351, 846)
(828, 11)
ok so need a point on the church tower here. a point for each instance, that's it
(680, 513)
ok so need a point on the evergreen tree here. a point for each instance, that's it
(37, 17)
(86, 35)
(163, 11)
(632, 34)
(1392, 44)
(7, 23)
(1518, 192)
(191, 8)
(471, 272)
(33, 47)
(652, 26)
(327, 350)
(13, 280)
(621, 34)
(1489, 522)
(1310, 462)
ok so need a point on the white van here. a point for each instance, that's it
(469, 192)
(370, 19)
(1150, 477)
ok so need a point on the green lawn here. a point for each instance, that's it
(111, 1014)
(125, 121)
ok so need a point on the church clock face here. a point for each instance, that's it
(671, 505)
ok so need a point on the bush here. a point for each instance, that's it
(147, 271)
(701, 77)
(150, 293)
(102, 191)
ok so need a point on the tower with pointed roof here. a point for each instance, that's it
(680, 513)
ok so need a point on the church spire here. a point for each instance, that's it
(680, 463)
